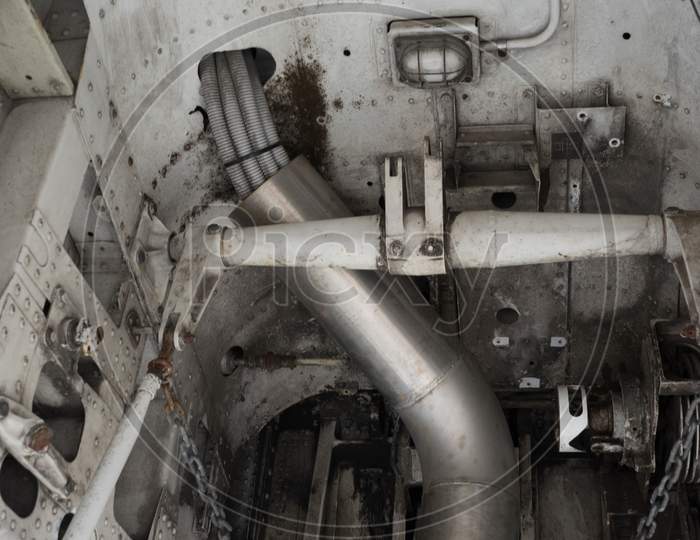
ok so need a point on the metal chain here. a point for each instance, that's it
(674, 464)
(206, 492)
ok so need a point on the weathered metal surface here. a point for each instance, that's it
(29, 64)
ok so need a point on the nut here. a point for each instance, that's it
(432, 247)
(39, 438)
(396, 248)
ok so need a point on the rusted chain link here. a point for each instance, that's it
(660, 497)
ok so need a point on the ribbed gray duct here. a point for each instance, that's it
(249, 109)
(217, 124)
(236, 126)
(273, 140)
(240, 120)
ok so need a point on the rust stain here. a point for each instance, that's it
(299, 107)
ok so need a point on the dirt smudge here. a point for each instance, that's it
(298, 103)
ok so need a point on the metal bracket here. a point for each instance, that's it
(28, 439)
(683, 250)
(516, 141)
(573, 133)
(149, 255)
(571, 426)
(414, 239)
(195, 278)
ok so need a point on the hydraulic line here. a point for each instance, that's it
(278, 151)
(217, 123)
(235, 123)
(251, 116)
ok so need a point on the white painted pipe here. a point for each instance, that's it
(479, 239)
(536, 39)
(352, 243)
(99, 491)
(491, 239)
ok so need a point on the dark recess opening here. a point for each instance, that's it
(18, 487)
(58, 403)
(503, 199)
(63, 527)
(507, 315)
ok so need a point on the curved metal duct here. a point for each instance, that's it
(460, 432)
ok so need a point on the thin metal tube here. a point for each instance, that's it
(536, 39)
(101, 487)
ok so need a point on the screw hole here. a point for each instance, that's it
(504, 199)
(507, 315)
(626, 35)
(346, 52)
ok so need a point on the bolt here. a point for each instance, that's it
(432, 247)
(396, 248)
(213, 228)
(689, 332)
(39, 438)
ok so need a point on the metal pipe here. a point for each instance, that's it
(538, 38)
(481, 239)
(491, 239)
(351, 242)
(456, 422)
(101, 487)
